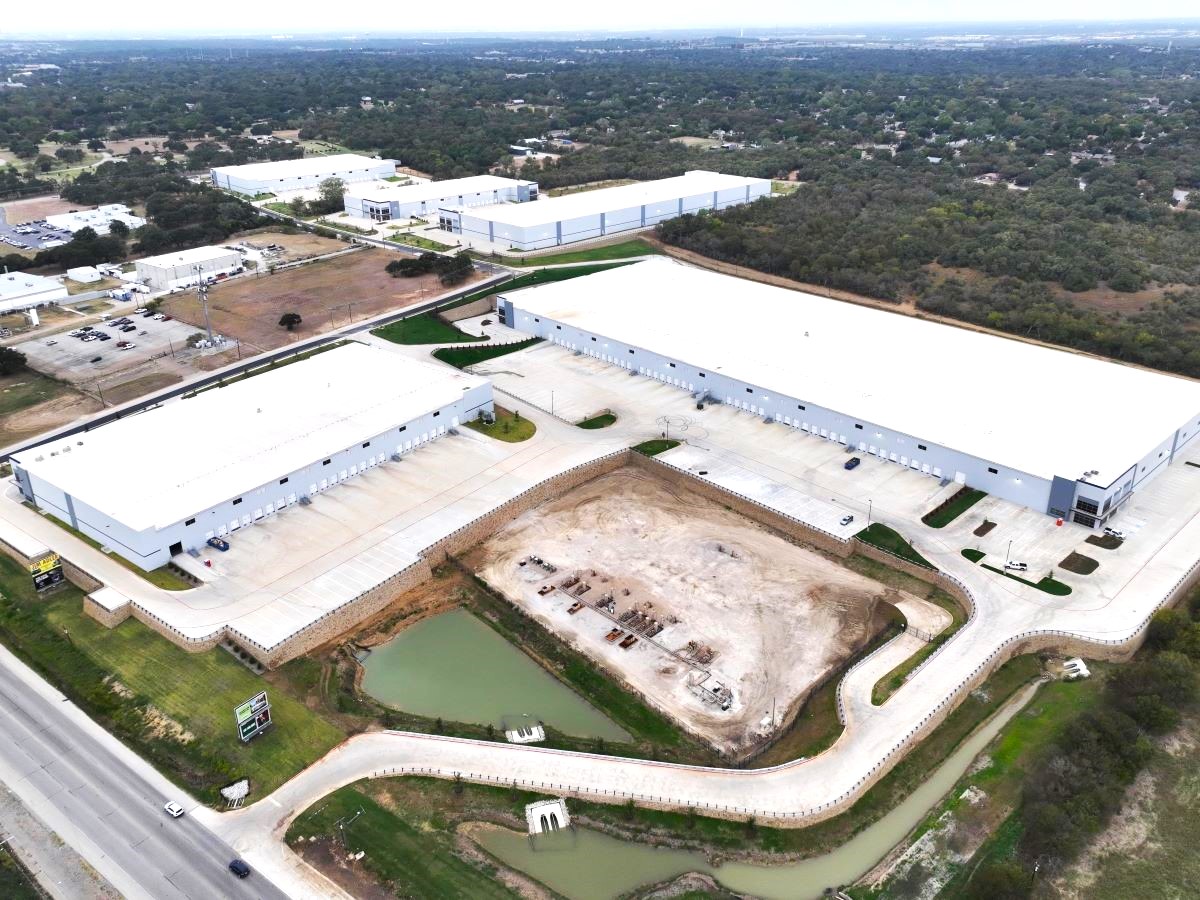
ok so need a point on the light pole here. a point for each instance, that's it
(1008, 554)
(202, 296)
(870, 506)
(552, 403)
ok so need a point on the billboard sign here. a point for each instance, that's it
(46, 571)
(253, 717)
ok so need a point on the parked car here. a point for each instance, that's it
(1014, 566)
(51, 343)
(127, 346)
(96, 359)
(239, 868)
(1116, 533)
(174, 809)
(129, 328)
(852, 463)
(104, 337)
(140, 310)
(158, 317)
(846, 520)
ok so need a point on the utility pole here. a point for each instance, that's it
(202, 296)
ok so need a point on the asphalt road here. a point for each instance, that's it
(101, 801)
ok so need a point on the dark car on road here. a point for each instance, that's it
(852, 463)
(239, 868)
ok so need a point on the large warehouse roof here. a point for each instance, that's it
(591, 203)
(298, 168)
(14, 285)
(192, 257)
(168, 463)
(383, 192)
(1042, 411)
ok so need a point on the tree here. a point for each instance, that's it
(11, 361)
(95, 145)
(332, 193)
(290, 320)
(118, 229)
(1005, 880)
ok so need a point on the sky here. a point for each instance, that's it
(147, 18)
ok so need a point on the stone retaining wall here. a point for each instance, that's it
(107, 618)
(478, 307)
(751, 509)
(80, 578)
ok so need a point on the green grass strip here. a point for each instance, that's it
(461, 357)
(879, 535)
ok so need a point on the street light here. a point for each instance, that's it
(1008, 554)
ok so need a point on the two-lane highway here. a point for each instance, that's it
(105, 802)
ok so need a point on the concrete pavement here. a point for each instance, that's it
(106, 802)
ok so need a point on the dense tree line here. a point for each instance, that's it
(1074, 791)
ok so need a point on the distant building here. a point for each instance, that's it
(300, 174)
(384, 202)
(99, 219)
(593, 214)
(19, 290)
(184, 268)
(84, 274)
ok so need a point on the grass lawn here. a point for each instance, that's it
(623, 250)
(973, 555)
(601, 421)
(413, 855)
(343, 226)
(28, 388)
(784, 187)
(196, 690)
(543, 276)
(163, 578)
(879, 535)
(963, 500)
(461, 357)
(281, 208)
(507, 427)
(200, 691)
(426, 328)
(1047, 584)
(15, 881)
(655, 447)
(892, 681)
(415, 240)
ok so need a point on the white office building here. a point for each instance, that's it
(594, 214)
(184, 268)
(1063, 433)
(300, 174)
(19, 290)
(383, 202)
(99, 219)
(232, 456)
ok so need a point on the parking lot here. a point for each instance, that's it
(67, 355)
(31, 237)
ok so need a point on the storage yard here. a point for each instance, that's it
(716, 620)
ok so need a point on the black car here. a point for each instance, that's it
(239, 868)
(97, 359)
(129, 328)
(104, 337)
(852, 463)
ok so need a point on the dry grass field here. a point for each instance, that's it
(37, 208)
(324, 293)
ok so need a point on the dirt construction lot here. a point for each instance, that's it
(321, 292)
(775, 617)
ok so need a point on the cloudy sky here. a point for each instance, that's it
(134, 18)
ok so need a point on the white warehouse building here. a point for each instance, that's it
(1063, 433)
(184, 268)
(229, 457)
(99, 219)
(384, 202)
(300, 174)
(594, 214)
(20, 290)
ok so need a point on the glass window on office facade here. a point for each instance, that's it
(1088, 506)
(379, 213)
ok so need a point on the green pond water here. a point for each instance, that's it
(588, 865)
(454, 666)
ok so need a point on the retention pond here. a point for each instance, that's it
(453, 666)
(589, 865)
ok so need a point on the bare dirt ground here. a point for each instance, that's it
(295, 246)
(776, 617)
(249, 308)
(37, 208)
(146, 143)
(136, 387)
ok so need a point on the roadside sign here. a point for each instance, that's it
(253, 717)
(46, 571)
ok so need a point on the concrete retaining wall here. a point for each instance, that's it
(476, 308)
